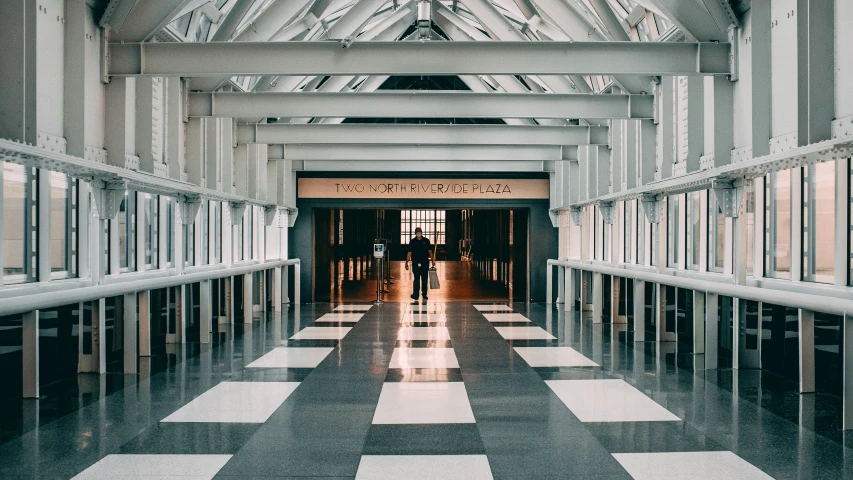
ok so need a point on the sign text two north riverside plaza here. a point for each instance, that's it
(423, 188)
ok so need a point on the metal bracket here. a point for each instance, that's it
(576, 215)
(108, 195)
(105, 55)
(270, 212)
(189, 205)
(733, 53)
(651, 206)
(728, 196)
(292, 213)
(554, 214)
(655, 87)
(237, 211)
(606, 212)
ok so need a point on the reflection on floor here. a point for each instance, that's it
(459, 281)
(434, 391)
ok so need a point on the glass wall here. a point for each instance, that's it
(127, 233)
(169, 242)
(63, 225)
(673, 233)
(20, 189)
(694, 216)
(778, 221)
(716, 235)
(629, 208)
(431, 222)
(819, 222)
(151, 227)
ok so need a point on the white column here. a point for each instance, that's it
(130, 332)
(297, 284)
(30, 337)
(806, 344)
(205, 311)
(144, 302)
(847, 394)
(248, 306)
(276, 289)
(639, 311)
(569, 293)
(597, 310)
(698, 322)
(99, 328)
(712, 338)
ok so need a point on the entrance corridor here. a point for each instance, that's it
(461, 390)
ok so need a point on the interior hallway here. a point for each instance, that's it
(446, 390)
(460, 281)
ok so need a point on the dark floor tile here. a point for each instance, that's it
(191, 438)
(424, 439)
(424, 375)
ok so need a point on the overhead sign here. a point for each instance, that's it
(423, 188)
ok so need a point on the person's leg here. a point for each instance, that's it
(424, 280)
(415, 281)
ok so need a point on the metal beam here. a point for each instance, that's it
(418, 58)
(398, 134)
(431, 166)
(422, 153)
(145, 19)
(420, 104)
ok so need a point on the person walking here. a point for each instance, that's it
(420, 254)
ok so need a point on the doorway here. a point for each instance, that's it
(482, 254)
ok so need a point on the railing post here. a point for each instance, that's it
(30, 335)
(806, 350)
(297, 283)
(549, 294)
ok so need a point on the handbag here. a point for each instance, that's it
(433, 273)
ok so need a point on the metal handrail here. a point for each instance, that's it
(40, 301)
(808, 301)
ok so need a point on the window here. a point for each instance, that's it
(694, 216)
(778, 221)
(716, 235)
(189, 245)
(819, 222)
(216, 230)
(127, 233)
(248, 230)
(237, 237)
(170, 231)
(63, 225)
(20, 214)
(641, 233)
(605, 237)
(203, 230)
(432, 222)
(151, 226)
(629, 207)
(597, 242)
(673, 233)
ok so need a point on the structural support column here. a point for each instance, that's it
(144, 299)
(597, 300)
(570, 291)
(248, 304)
(639, 311)
(698, 322)
(806, 344)
(847, 393)
(205, 311)
(130, 333)
(712, 338)
(30, 337)
(276, 289)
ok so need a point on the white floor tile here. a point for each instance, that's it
(493, 308)
(424, 317)
(423, 402)
(608, 401)
(292, 357)
(680, 465)
(554, 357)
(423, 333)
(155, 466)
(423, 358)
(423, 467)
(353, 308)
(340, 318)
(235, 402)
(524, 333)
(321, 333)
(505, 317)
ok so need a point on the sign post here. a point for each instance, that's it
(379, 254)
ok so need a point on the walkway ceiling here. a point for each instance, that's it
(538, 65)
